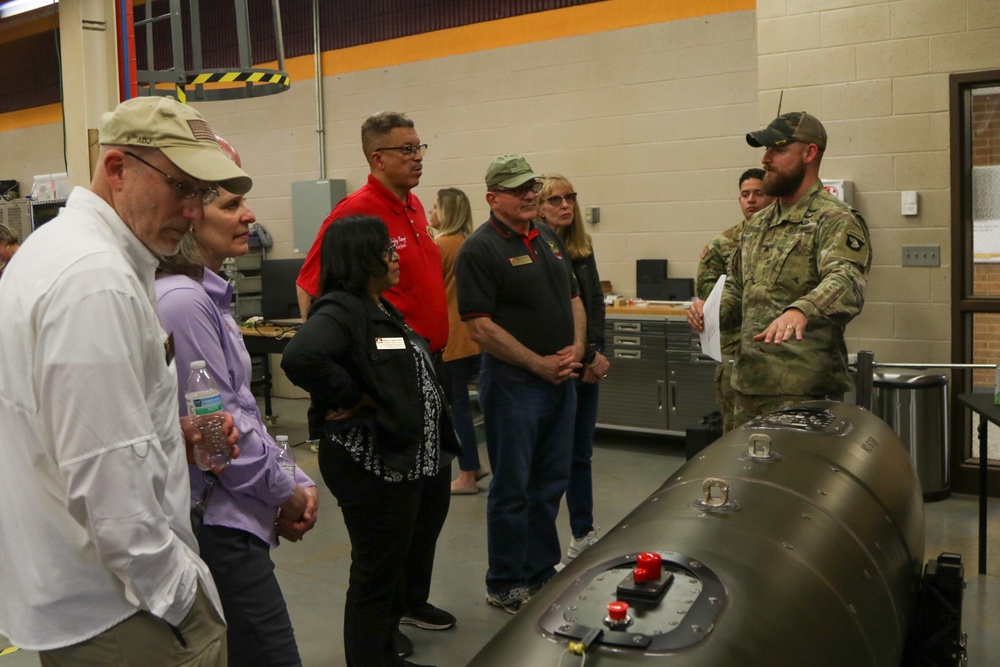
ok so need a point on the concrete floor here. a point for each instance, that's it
(627, 469)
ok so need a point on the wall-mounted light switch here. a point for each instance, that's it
(909, 202)
(921, 255)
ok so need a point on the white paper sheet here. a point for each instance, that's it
(710, 343)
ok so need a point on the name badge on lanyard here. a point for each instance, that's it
(395, 343)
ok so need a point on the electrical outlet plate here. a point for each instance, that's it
(921, 255)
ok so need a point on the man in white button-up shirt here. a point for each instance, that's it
(98, 564)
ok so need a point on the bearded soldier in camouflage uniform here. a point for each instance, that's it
(797, 280)
(715, 260)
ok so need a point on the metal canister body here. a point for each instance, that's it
(796, 541)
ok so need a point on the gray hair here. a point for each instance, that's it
(187, 261)
(8, 236)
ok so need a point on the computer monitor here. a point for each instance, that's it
(43, 211)
(278, 299)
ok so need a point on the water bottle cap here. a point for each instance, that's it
(281, 438)
(195, 365)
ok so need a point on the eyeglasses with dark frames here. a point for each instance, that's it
(520, 191)
(390, 251)
(409, 150)
(556, 201)
(185, 189)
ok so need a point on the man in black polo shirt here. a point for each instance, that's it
(517, 293)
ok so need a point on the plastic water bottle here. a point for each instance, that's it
(286, 458)
(204, 404)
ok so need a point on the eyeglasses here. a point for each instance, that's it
(390, 251)
(556, 200)
(520, 191)
(185, 189)
(409, 150)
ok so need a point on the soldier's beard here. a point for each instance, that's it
(777, 184)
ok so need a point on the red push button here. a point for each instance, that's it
(618, 611)
(652, 563)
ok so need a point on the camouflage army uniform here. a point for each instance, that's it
(814, 257)
(715, 259)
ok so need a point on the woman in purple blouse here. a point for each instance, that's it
(239, 527)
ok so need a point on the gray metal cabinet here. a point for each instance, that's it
(659, 381)
(244, 274)
(690, 377)
(634, 395)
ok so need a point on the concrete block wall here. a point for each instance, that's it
(876, 73)
(648, 122)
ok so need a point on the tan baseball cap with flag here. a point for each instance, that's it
(180, 132)
(789, 127)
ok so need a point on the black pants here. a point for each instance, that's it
(394, 528)
(260, 630)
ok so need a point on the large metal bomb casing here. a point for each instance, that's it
(812, 557)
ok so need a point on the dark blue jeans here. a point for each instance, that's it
(462, 371)
(529, 437)
(580, 492)
(259, 628)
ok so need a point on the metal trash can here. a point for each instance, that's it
(916, 408)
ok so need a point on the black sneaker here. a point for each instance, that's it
(428, 617)
(402, 644)
(510, 601)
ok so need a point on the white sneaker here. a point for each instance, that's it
(580, 544)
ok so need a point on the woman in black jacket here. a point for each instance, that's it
(386, 423)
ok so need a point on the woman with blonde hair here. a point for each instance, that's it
(559, 209)
(451, 219)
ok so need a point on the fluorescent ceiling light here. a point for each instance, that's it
(15, 7)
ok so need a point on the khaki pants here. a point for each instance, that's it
(143, 640)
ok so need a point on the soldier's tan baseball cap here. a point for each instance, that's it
(180, 132)
(789, 127)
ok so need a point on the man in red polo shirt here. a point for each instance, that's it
(395, 157)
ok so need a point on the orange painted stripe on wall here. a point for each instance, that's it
(554, 24)
(50, 113)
